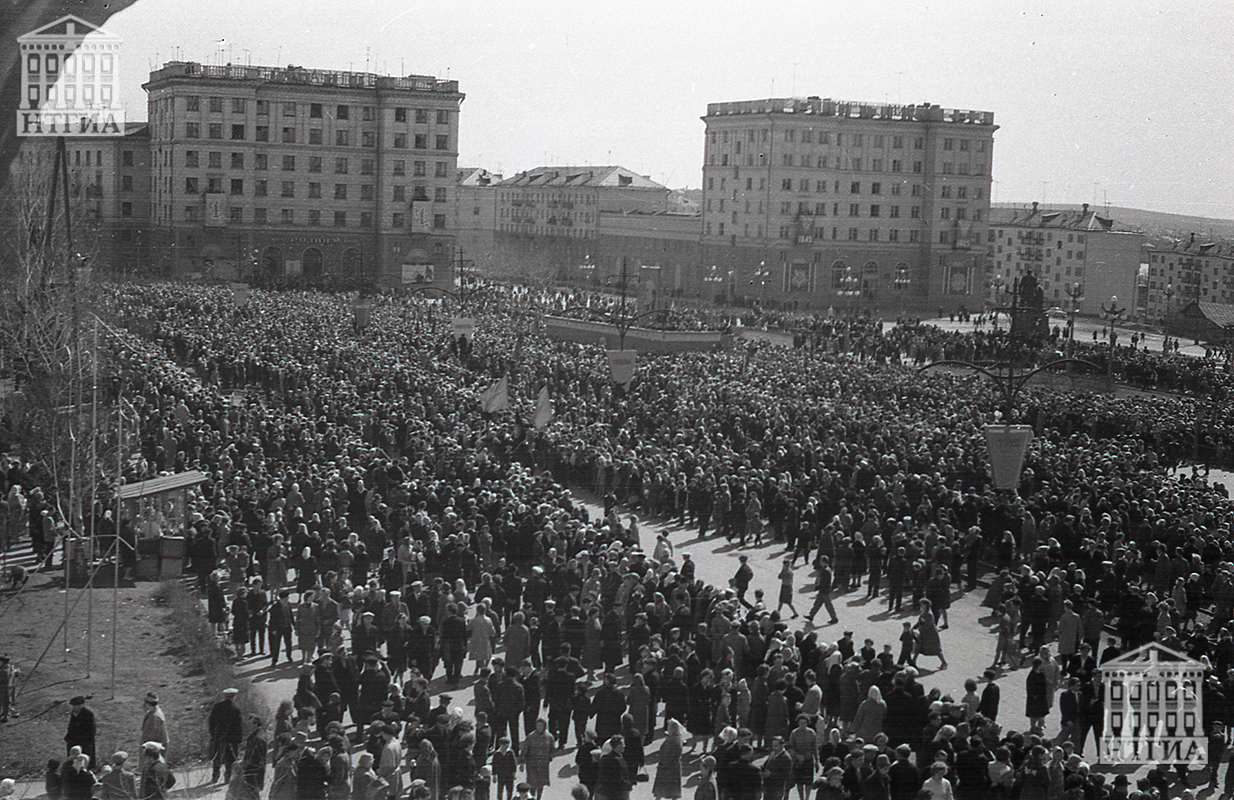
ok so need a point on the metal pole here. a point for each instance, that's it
(115, 584)
(94, 471)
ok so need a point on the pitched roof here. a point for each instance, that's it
(1069, 219)
(60, 29)
(477, 176)
(1147, 655)
(572, 177)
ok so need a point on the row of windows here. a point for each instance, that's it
(287, 216)
(261, 188)
(847, 164)
(342, 138)
(996, 233)
(854, 187)
(544, 230)
(893, 235)
(86, 61)
(239, 105)
(875, 140)
(342, 164)
(547, 197)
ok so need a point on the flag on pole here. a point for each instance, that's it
(544, 410)
(496, 397)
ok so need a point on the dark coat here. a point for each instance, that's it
(1037, 699)
(614, 779)
(226, 723)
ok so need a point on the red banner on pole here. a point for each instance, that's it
(1008, 444)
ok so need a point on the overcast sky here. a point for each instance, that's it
(1125, 102)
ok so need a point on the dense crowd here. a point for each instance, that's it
(361, 508)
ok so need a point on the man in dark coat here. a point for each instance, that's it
(745, 781)
(374, 688)
(226, 735)
(615, 779)
(608, 705)
(898, 719)
(279, 626)
(81, 728)
(453, 643)
(508, 703)
(990, 695)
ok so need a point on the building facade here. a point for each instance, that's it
(1181, 272)
(475, 215)
(109, 193)
(292, 173)
(832, 202)
(1069, 252)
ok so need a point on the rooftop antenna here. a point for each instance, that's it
(402, 70)
(366, 58)
(900, 86)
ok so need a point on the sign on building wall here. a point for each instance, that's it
(799, 277)
(417, 274)
(216, 210)
(70, 81)
(1154, 709)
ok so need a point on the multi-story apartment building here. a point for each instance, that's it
(475, 215)
(279, 172)
(888, 203)
(1069, 252)
(567, 201)
(109, 193)
(1186, 271)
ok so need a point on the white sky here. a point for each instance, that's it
(1125, 101)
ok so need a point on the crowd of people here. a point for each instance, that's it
(362, 509)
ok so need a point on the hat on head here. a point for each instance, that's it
(77, 701)
(232, 692)
(152, 698)
(153, 747)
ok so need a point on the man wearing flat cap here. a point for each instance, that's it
(226, 734)
(81, 728)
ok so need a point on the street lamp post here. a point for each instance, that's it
(762, 274)
(588, 268)
(902, 282)
(1076, 293)
(714, 278)
(850, 286)
(1112, 312)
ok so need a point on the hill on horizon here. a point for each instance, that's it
(1153, 223)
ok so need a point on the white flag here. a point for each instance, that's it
(496, 397)
(544, 410)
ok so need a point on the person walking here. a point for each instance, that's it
(226, 734)
(825, 579)
(82, 728)
(667, 785)
(928, 641)
(741, 579)
(154, 725)
(536, 757)
(157, 779)
(614, 781)
(786, 588)
(118, 782)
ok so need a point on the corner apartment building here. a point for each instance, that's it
(1180, 272)
(109, 192)
(829, 195)
(475, 214)
(1069, 250)
(282, 172)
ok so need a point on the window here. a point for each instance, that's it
(895, 189)
(400, 167)
(237, 131)
(944, 213)
(126, 158)
(874, 234)
(854, 209)
(914, 236)
(340, 166)
(190, 186)
(948, 168)
(874, 210)
(259, 187)
(961, 192)
(856, 164)
(421, 116)
(852, 234)
(942, 237)
(897, 142)
(916, 190)
(192, 130)
(398, 220)
(919, 143)
(261, 161)
(340, 219)
(289, 188)
(289, 135)
(443, 142)
(263, 108)
(259, 216)
(289, 216)
(854, 187)
(289, 109)
(366, 113)
(897, 166)
(964, 145)
(190, 158)
(400, 193)
(126, 183)
(190, 213)
(216, 160)
(419, 193)
(216, 105)
(961, 213)
(314, 164)
(439, 222)
(340, 191)
(368, 139)
(367, 166)
(876, 188)
(289, 163)
(893, 211)
(948, 144)
(443, 169)
(315, 110)
(237, 160)
(785, 208)
(342, 138)
(439, 194)
(893, 235)
(366, 191)
(315, 217)
(237, 186)
(263, 133)
(400, 115)
(235, 214)
(915, 212)
(786, 184)
(314, 191)
(366, 219)
(191, 103)
(443, 116)
(946, 191)
(314, 135)
(917, 166)
(400, 141)
(421, 141)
